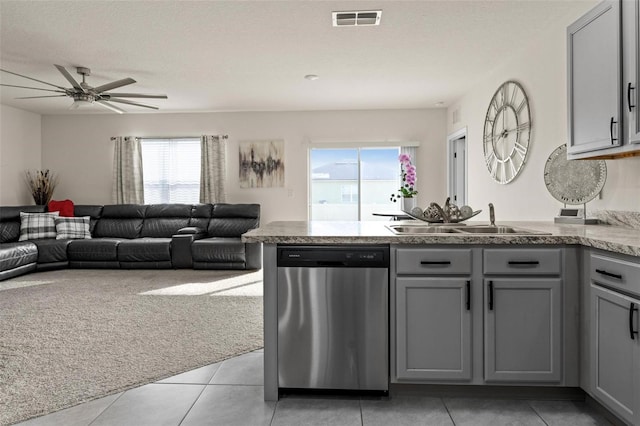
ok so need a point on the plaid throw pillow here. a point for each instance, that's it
(72, 228)
(35, 226)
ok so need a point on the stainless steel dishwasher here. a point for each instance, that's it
(333, 317)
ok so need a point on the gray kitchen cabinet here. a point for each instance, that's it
(594, 53)
(631, 70)
(523, 324)
(614, 341)
(433, 314)
(603, 72)
(446, 331)
(433, 334)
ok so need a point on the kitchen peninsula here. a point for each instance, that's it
(518, 309)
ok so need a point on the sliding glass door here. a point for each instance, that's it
(352, 183)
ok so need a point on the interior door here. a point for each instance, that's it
(458, 187)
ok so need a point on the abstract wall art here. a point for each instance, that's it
(261, 163)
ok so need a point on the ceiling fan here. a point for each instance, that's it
(82, 93)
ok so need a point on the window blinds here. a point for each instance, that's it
(171, 170)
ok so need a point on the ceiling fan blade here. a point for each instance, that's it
(36, 97)
(124, 101)
(135, 95)
(39, 81)
(114, 85)
(70, 78)
(107, 105)
(35, 88)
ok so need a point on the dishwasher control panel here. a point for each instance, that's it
(334, 256)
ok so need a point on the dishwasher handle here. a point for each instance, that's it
(330, 263)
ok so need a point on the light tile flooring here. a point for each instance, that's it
(230, 393)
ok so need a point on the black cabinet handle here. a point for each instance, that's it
(632, 332)
(524, 262)
(609, 274)
(491, 295)
(611, 138)
(468, 295)
(629, 89)
(435, 262)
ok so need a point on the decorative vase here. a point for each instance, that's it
(408, 203)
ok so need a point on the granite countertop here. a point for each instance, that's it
(616, 239)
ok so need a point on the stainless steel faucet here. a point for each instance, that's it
(492, 215)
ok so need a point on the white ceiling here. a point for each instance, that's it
(253, 55)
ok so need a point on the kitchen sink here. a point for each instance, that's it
(461, 229)
(499, 230)
(415, 229)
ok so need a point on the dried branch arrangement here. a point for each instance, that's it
(41, 183)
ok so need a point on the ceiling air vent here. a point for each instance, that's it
(356, 18)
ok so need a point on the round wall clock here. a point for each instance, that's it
(507, 132)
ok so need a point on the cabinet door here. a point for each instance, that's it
(615, 356)
(631, 58)
(595, 79)
(433, 336)
(522, 320)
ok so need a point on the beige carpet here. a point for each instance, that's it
(74, 335)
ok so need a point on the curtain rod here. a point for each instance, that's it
(171, 137)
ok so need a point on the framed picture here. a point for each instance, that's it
(261, 163)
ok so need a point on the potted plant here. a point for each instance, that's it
(41, 183)
(406, 193)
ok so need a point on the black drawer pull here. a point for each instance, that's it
(609, 274)
(632, 332)
(435, 262)
(524, 262)
(491, 295)
(468, 295)
(629, 100)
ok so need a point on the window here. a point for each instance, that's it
(353, 183)
(171, 170)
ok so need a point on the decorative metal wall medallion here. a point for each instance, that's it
(573, 181)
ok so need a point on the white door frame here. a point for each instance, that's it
(451, 139)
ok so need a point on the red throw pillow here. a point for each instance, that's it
(65, 207)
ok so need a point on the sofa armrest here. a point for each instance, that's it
(253, 253)
(197, 233)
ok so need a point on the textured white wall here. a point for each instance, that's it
(79, 148)
(541, 69)
(20, 141)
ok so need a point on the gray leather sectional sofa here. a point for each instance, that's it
(136, 236)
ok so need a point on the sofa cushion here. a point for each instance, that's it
(17, 254)
(52, 250)
(35, 226)
(233, 220)
(145, 250)
(164, 220)
(10, 221)
(72, 228)
(218, 250)
(65, 207)
(96, 249)
(200, 215)
(94, 213)
(120, 221)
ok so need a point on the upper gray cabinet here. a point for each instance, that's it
(631, 71)
(602, 66)
(594, 53)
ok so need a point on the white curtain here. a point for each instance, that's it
(213, 170)
(128, 184)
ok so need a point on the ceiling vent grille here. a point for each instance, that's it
(356, 18)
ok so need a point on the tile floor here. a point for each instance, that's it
(230, 393)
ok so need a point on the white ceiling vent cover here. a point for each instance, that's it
(356, 18)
